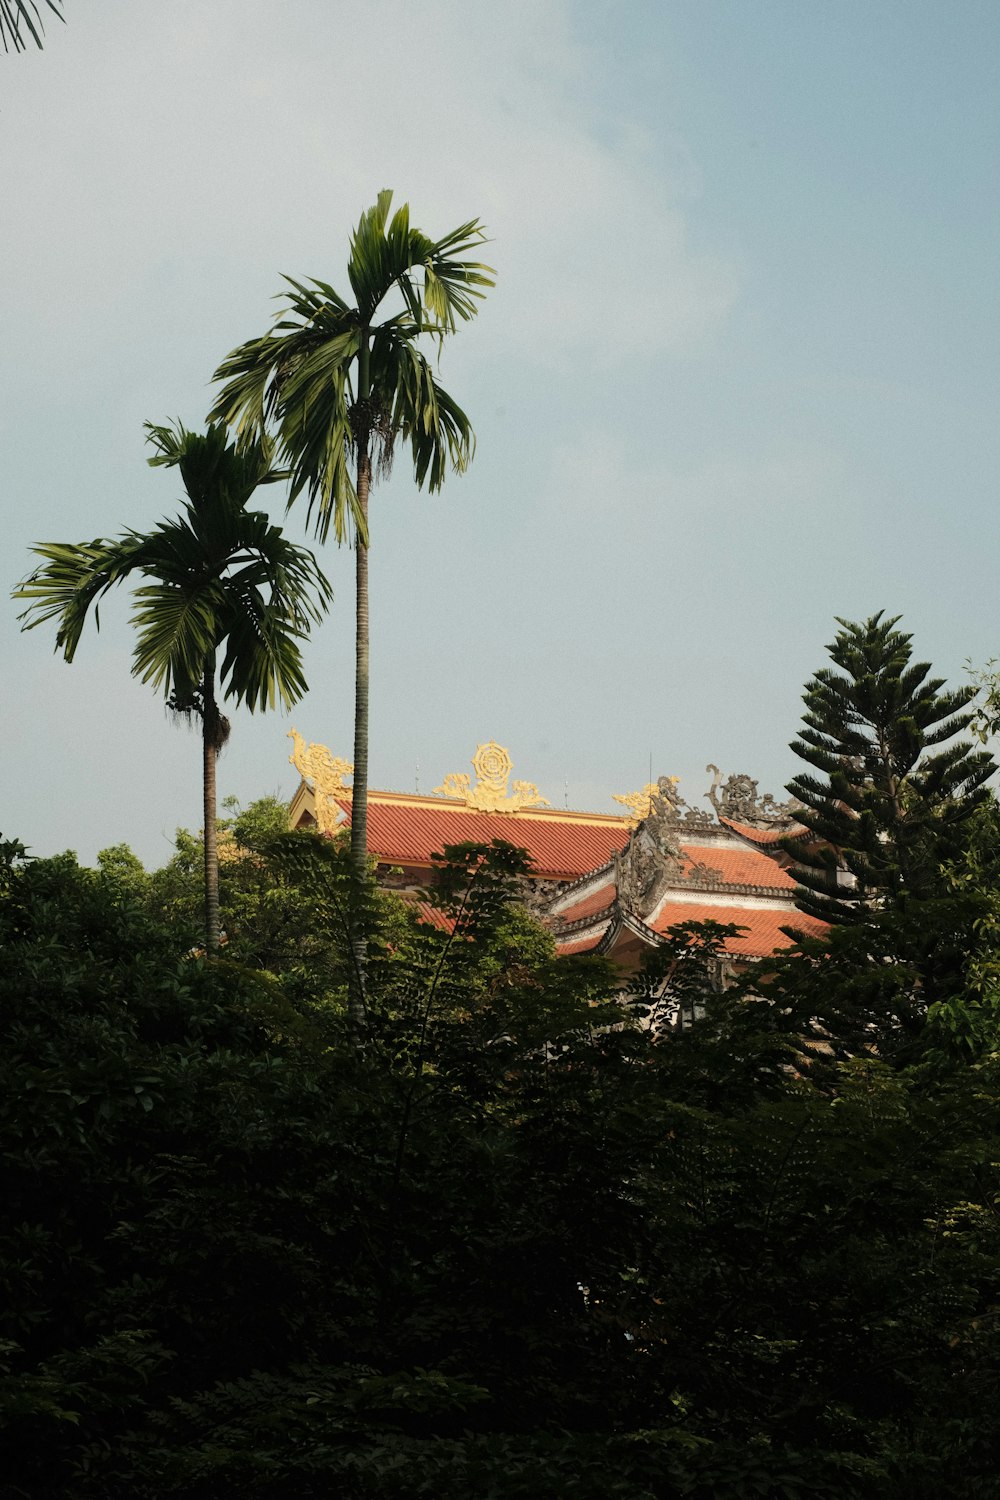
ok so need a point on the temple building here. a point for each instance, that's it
(609, 883)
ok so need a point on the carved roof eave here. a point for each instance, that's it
(604, 872)
(581, 924)
(597, 876)
(627, 921)
(741, 829)
(710, 888)
(614, 919)
(732, 888)
(694, 833)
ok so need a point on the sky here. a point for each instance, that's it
(738, 375)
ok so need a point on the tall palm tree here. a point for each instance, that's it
(339, 382)
(218, 578)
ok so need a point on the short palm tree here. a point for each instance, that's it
(341, 382)
(218, 579)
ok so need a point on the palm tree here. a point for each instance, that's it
(219, 578)
(341, 382)
(20, 16)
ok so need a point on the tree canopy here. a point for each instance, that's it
(516, 1246)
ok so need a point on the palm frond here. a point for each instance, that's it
(438, 431)
(21, 19)
(319, 442)
(219, 479)
(300, 374)
(217, 576)
(454, 286)
(383, 256)
(262, 663)
(290, 575)
(302, 377)
(370, 264)
(73, 577)
(252, 374)
(177, 630)
(322, 295)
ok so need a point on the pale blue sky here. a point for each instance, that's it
(739, 373)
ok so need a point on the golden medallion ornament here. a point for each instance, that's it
(493, 766)
(326, 773)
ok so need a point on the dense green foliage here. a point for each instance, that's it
(513, 1246)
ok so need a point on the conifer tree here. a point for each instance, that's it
(896, 787)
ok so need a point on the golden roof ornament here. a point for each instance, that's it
(640, 804)
(492, 765)
(326, 772)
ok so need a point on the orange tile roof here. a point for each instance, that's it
(589, 905)
(425, 912)
(763, 925)
(578, 945)
(739, 866)
(561, 848)
(736, 867)
(408, 830)
(433, 917)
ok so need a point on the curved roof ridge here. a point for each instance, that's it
(760, 836)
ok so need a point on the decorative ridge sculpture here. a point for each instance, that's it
(652, 859)
(739, 803)
(326, 772)
(640, 804)
(492, 765)
(662, 798)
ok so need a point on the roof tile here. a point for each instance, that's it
(763, 925)
(578, 945)
(560, 849)
(589, 905)
(740, 866)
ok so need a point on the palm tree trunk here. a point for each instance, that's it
(210, 754)
(356, 997)
(357, 983)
